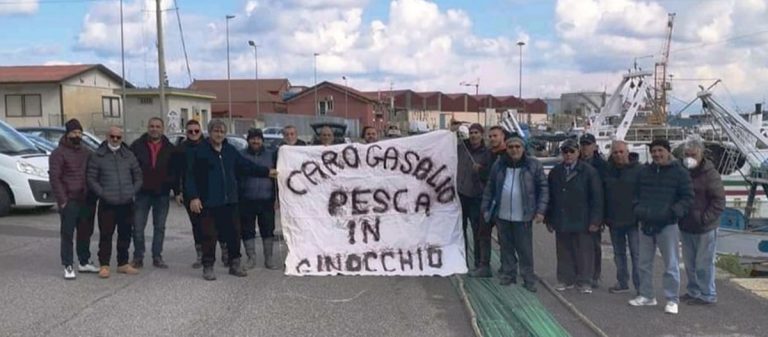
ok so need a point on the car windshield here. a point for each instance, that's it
(13, 143)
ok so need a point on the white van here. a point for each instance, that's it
(23, 173)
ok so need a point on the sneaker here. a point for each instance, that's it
(88, 267)
(69, 273)
(481, 272)
(505, 281)
(698, 301)
(104, 272)
(687, 297)
(671, 308)
(640, 301)
(618, 289)
(159, 263)
(530, 287)
(127, 269)
(563, 286)
(585, 289)
(137, 263)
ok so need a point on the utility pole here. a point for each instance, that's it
(229, 79)
(160, 59)
(256, 64)
(317, 108)
(122, 70)
(520, 79)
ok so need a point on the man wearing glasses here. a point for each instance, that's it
(474, 160)
(155, 153)
(115, 177)
(212, 187)
(194, 137)
(516, 197)
(575, 212)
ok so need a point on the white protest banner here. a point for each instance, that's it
(389, 208)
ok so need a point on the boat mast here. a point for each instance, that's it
(659, 116)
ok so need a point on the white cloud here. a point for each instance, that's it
(19, 7)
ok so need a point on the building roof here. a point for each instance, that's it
(52, 73)
(168, 92)
(338, 87)
(245, 90)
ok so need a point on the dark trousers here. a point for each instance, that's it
(77, 214)
(194, 220)
(470, 212)
(516, 241)
(220, 222)
(483, 242)
(262, 211)
(158, 204)
(597, 239)
(111, 216)
(621, 238)
(575, 258)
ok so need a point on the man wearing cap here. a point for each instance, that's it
(67, 165)
(664, 195)
(516, 197)
(590, 154)
(155, 154)
(474, 162)
(257, 201)
(575, 212)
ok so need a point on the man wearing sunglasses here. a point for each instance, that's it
(154, 152)
(194, 137)
(115, 177)
(575, 213)
(516, 197)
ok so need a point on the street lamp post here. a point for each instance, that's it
(317, 108)
(520, 80)
(229, 80)
(346, 97)
(477, 93)
(256, 73)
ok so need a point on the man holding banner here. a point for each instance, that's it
(388, 208)
(474, 162)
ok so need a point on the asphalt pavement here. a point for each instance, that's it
(37, 301)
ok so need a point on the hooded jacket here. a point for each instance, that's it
(533, 184)
(708, 200)
(114, 176)
(470, 182)
(664, 195)
(67, 165)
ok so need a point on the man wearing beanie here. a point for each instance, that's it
(68, 164)
(474, 160)
(257, 201)
(575, 212)
(516, 196)
(664, 195)
(155, 153)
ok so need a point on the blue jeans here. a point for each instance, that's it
(621, 238)
(667, 241)
(699, 259)
(158, 203)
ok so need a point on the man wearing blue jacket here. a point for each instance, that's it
(211, 185)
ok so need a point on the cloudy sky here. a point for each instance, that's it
(419, 44)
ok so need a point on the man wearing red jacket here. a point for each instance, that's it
(67, 166)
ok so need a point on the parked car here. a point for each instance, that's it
(272, 141)
(272, 130)
(41, 143)
(23, 173)
(339, 132)
(54, 133)
(237, 141)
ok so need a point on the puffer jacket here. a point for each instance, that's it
(533, 183)
(664, 196)
(620, 184)
(258, 188)
(67, 167)
(470, 182)
(576, 200)
(115, 177)
(708, 200)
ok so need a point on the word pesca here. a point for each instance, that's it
(373, 261)
(405, 162)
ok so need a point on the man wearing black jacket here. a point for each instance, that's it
(590, 154)
(155, 154)
(212, 188)
(194, 138)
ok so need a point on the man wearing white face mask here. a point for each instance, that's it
(698, 229)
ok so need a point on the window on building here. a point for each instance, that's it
(325, 107)
(184, 112)
(110, 106)
(23, 105)
(145, 100)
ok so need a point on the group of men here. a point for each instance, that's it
(225, 192)
(644, 206)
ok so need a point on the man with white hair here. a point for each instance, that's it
(698, 228)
